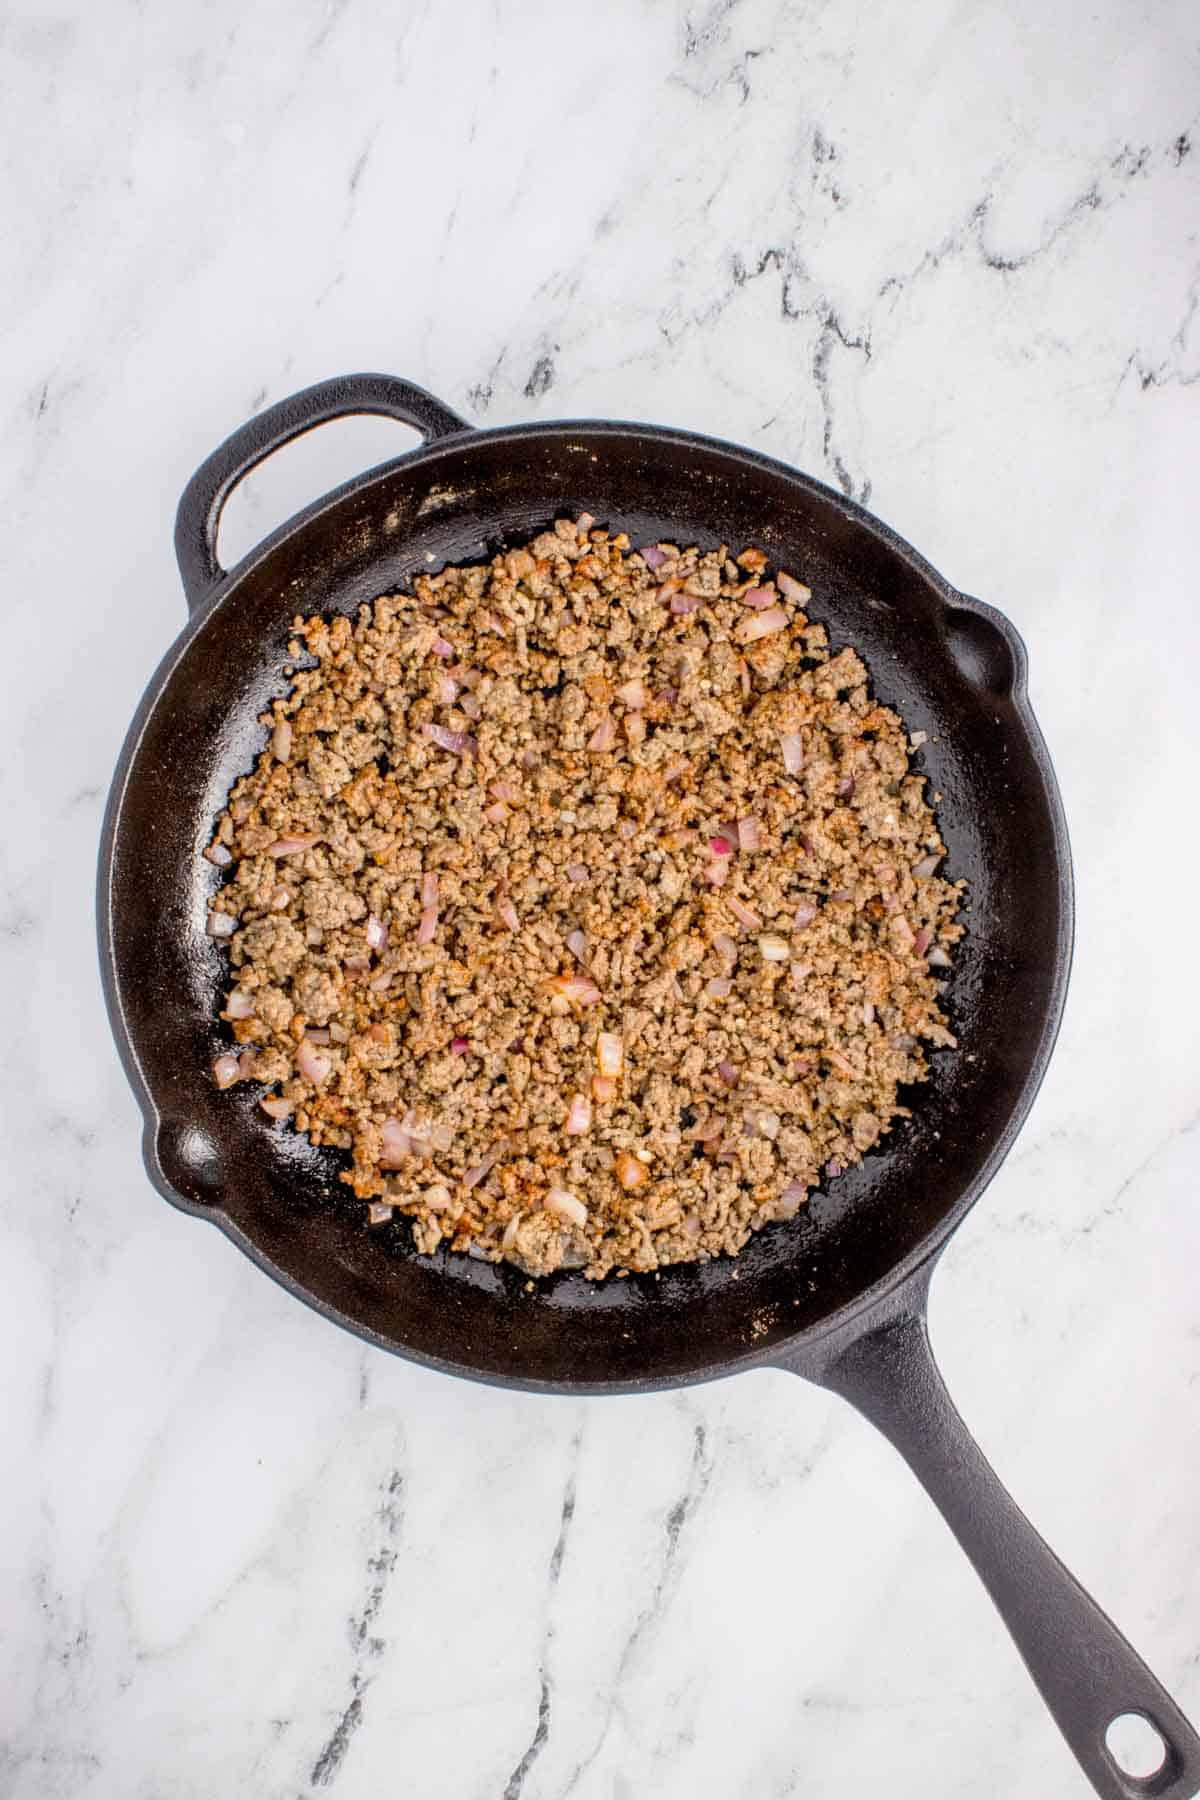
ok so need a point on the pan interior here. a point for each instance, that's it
(949, 671)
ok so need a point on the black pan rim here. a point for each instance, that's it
(443, 450)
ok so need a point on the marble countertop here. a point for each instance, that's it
(945, 257)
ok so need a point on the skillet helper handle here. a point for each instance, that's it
(204, 497)
(1086, 1672)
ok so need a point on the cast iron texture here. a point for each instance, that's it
(838, 1294)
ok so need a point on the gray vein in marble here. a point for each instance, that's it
(1112, 1208)
(696, 1486)
(365, 1645)
(541, 376)
(1124, 168)
(537, 1743)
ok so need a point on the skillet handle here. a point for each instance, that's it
(204, 497)
(1086, 1672)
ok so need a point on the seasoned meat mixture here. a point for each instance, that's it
(587, 900)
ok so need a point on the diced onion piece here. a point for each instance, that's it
(792, 589)
(459, 743)
(652, 556)
(633, 693)
(604, 736)
(276, 1107)
(717, 872)
(937, 958)
(471, 706)
(496, 813)
(631, 1172)
(806, 912)
(707, 1131)
(577, 944)
(280, 898)
(580, 990)
(239, 1005)
(579, 1116)
(447, 690)
(379, 1212)
(720, 846)
(577, 872)
(219, 856)
(773, 949)
(291, 846)
(396, 1144)
(725, 946)
(729, 1075)
(745, 915)
(506, 912)
(338, 1033)
(459, 1046)
(442, 647)
(926, 867)
(438, 1198)
(376, 933)
(683, 604)
(503, 791)
(917, 739)
(868, 1013)
(220, 925)
(845, 788)
(923, 940)
(767, 1124)
(604, 1089)
(833, 1169)
(792, 745)
(841, 894)
(719, 988)
(225, 1071)
(429, 890)
(474, 1176)
(357, 964)
(793, 1196)
(761, 625)
(312, 1063)
(379, 984)
(317, 1034)
(560, 1201)
(749, 837)
(610, 1053)
(281, 741)
(509, 1239)
(427, 928)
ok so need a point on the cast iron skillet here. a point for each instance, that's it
(839, 1294)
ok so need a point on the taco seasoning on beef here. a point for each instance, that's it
(587, 901)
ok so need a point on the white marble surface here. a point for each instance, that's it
(946, 255)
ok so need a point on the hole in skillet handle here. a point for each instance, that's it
(987, 647)
(1139, 1751)
(309, 468)
(198, 519)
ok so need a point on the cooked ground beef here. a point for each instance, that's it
(587, 900)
